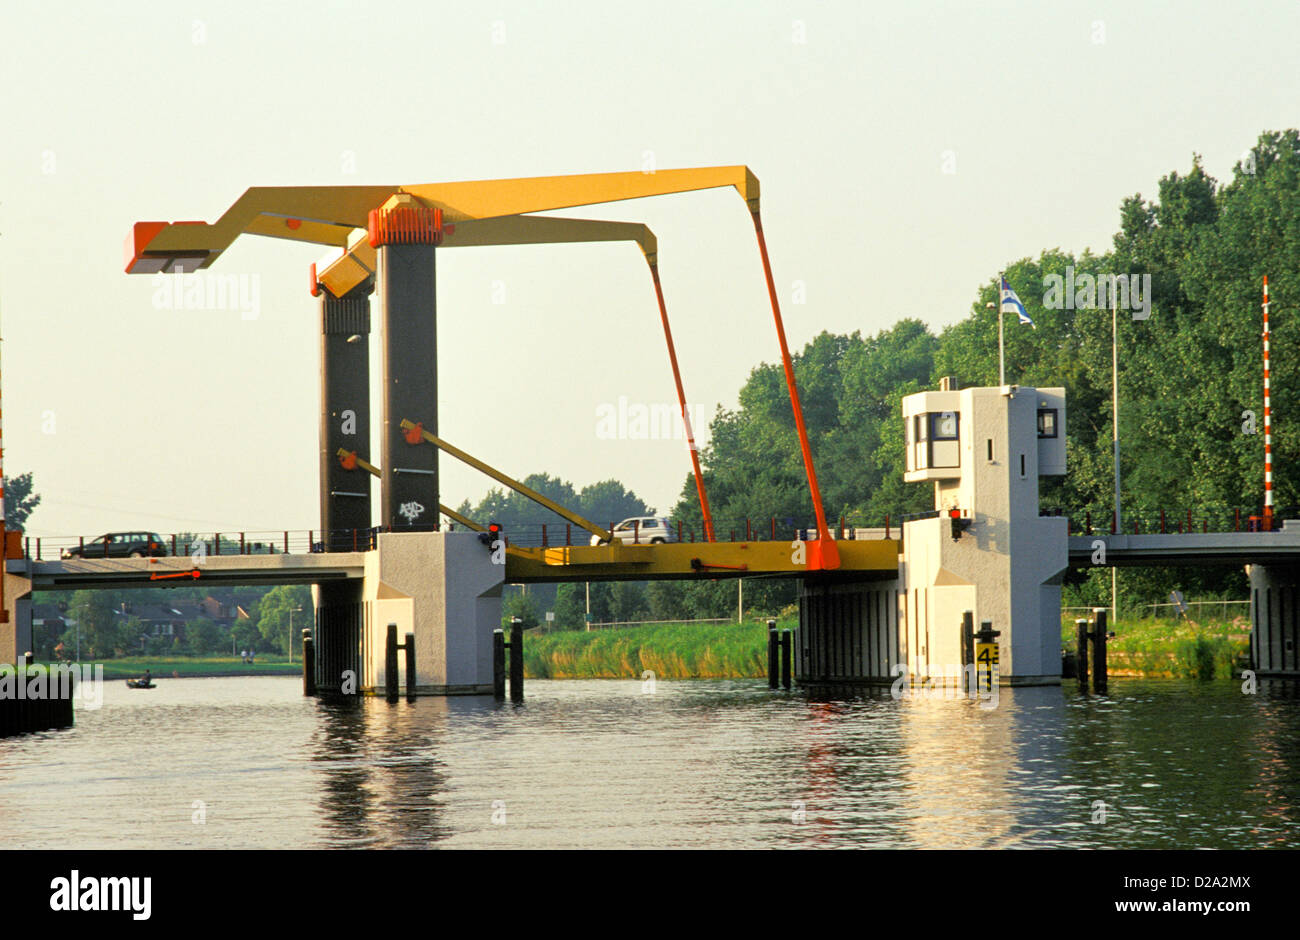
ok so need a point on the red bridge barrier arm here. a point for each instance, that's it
(681, 398)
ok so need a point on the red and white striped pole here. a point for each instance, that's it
(1268, 427)
(4, 537)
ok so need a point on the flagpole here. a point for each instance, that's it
(1268, 420)
(1002, 353)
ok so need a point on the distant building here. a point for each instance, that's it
(222, 608)
(171, 619)
(51, 618)
(155, 619)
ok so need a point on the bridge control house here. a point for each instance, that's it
(984, 549)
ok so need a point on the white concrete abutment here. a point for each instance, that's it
(443, 588)
(440, 586)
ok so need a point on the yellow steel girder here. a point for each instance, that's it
(684, 560)
(514, 484)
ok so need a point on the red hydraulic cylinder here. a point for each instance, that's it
(822, 554)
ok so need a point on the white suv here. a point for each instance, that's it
(641, 530)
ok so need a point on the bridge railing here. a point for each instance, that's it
(531, 534)
(1146, 520)
(201, 545)
(770, 529)
(1088, 521)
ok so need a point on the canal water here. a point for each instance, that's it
(251, 763)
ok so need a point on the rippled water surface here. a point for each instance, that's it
(691, 764)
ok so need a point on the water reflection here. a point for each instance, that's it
(695, 764)
(383, 780)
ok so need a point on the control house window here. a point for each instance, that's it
(932, 441)
(1047, 422)
(945, 426)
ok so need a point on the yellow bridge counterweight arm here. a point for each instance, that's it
(483, 199)
(327, 215)
(348, 456)
(359, 260)
(416, 431)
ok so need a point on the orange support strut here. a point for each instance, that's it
(681, 398)
(822, 554)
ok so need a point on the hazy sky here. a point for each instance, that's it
(849, 114)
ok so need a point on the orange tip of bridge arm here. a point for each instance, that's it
(142, 233)
(137, 243)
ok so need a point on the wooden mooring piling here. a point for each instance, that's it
(35, 697)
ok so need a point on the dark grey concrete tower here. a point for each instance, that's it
(406, 236)
(345, 505)
(1275, 619)
(345, 502)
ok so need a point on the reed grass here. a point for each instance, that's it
(1177, 649)
(670, 651)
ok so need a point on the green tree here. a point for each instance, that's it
(132, 636)
(282, 609)
(521, 606)
(570, 607)
(628, 602)
(19, 500)
(246, 635)
(609, 501)
(161, 645)
(602, 593)
(667, 601)
(202, 637)
(97, 625)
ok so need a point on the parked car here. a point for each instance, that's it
(120, 545)
(641, 530)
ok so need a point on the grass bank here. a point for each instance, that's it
(194, 667)
(670, 651)
(1208, 649)
(1168, 649)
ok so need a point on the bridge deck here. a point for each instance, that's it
(859, 559)
(872, 558)
(87, 573)
(1195, 548)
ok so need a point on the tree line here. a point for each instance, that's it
(106, 624)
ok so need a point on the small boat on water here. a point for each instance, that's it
(140, 684)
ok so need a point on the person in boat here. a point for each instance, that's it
(146, 679)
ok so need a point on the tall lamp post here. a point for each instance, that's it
(292, 611)
(1114, 421)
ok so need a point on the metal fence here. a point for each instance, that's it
(605, 625)
(1144, 520)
